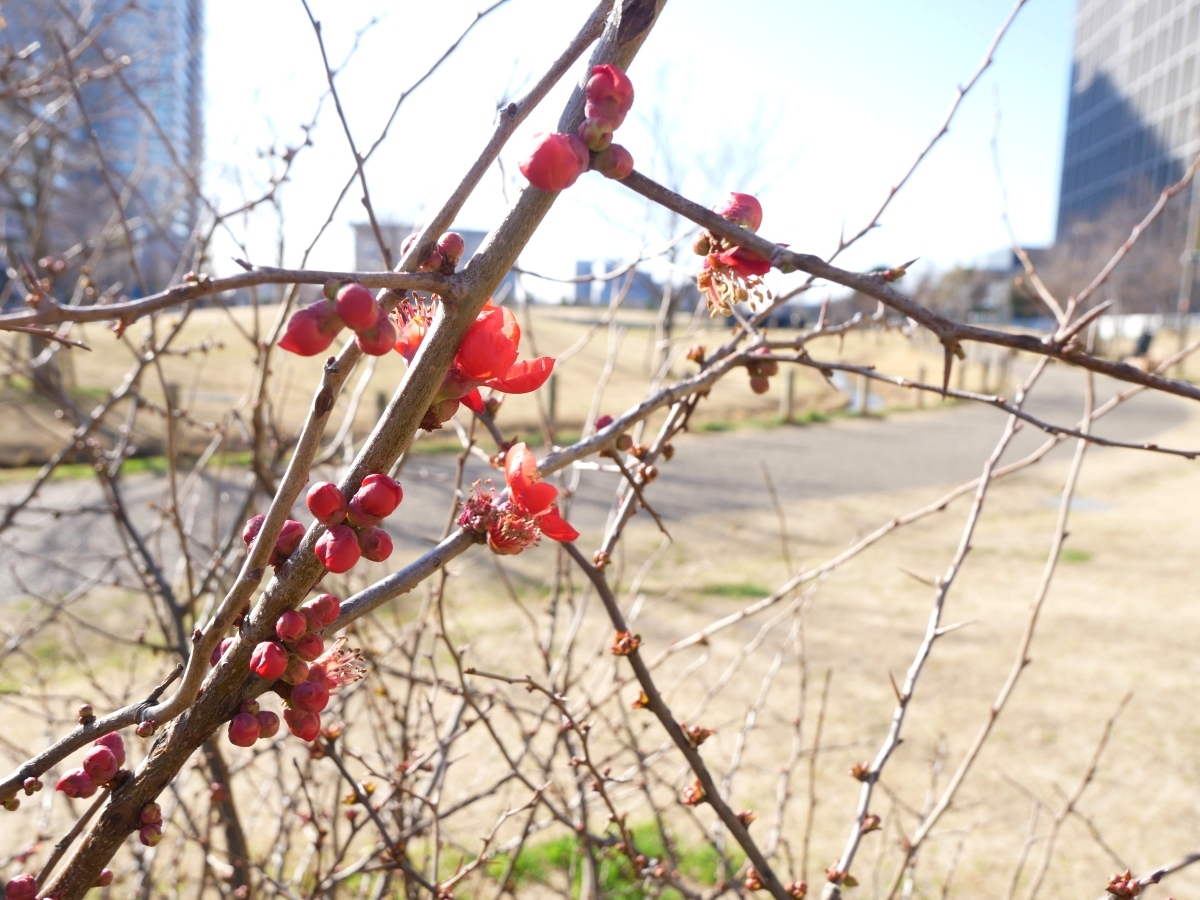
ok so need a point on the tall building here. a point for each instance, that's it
(138, 118)
(1132, 123)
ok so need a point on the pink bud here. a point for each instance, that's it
(76, 783)
(596, 133)
(380, 338)
(114, 743)
(321, 612)
(100, 764)
(555, 162)
(31, 786)
(379, 495)
(219, 651)
(311, 330)
(359, 517)
(243, 730)
(310, 696)
(338, 549)
(150, 835)
(309, 647)
(145, 728)
(268, 724)
(452, 247)
(150, 814)
(252, 527)
(615, 162)
(304, 725)
(289, 539)
(376, 544)
(326, 502)
(603, 421)
(291, 625)
(760, 384)
(357, 307)
(269, 660)
(608, 94)
(741, 209)
(296, 672)
(105, 879)
(23, 887)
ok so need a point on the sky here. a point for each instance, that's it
(816, 107)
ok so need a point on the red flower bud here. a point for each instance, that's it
(269, 660)
(321, 612)
(150, 814)
(357, 307)
(609, 94)
(452, 247)
(326, 503)
(23, 887)
(376, 544)
(76, 783)
(359, 517)
(379, 495)
(100, 764)
(555, 162)
(380, 338)
(596, 133)
(603, 421)
(338, 549)
(760, 384)
(219, 651)
(115, 744)
(105, 879)
(252, 527)
(150, 835)
(291, 625)
(311, 330)
(243, 730)
(310, 696)
(296, 672)
(741, 209)
(289, 539)
(268, 724)
(304, 725)
(615, 162)
(309, 647)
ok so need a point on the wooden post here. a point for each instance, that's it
(862, 395)
(921, 378)
(788, 396)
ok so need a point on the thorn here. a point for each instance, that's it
(946, 629)
(895, 687)
(946, 365)
(928, 582)
(245, 265)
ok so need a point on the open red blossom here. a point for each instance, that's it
(556, 161)
(745, 262)
(337, 667)
(311, 330)
(534, 497)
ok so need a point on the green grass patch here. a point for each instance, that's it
(718, 426)
(1074, 556)
(747, 590)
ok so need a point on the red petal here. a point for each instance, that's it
(520, 468)
(473, 401)
(537, 497)
(557, 528)
(525, 376)
(745, 262)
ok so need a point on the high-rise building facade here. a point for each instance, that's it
(134, 128)
(1133, 123)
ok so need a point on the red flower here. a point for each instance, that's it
(311, 330)
(556, 161)
(269, 660)
(337, 666)
(741, 209)
(326, 502)
(487, 357)
(379, 495)
(608, 95)
(615, 162)
(745, 262)
(338, 549)
(534, 497)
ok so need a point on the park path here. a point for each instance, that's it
(68, 536)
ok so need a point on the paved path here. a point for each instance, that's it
(710, 474)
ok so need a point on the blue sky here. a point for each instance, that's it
(816, 106)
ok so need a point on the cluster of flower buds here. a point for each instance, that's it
(150, 827)
(285, 545)
(352, 526)
(1124, 884)
(100, 768)
(530, 511)
(835, 875)
(761, 371)
(732, 274)
(251, 724)
(557, 160)
(694, 794)
(445, 255)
